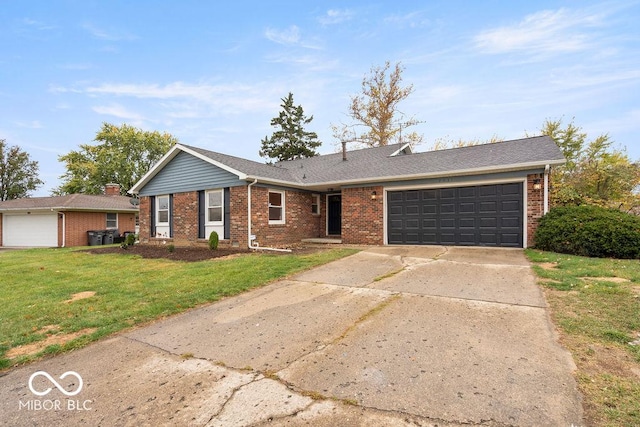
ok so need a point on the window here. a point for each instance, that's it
(112, 220)
(315, 204)
(276, 207)
(214, 206)
(162, 203)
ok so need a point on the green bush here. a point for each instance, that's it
(213, 241)
(589, 231)
(171, 248)
(130, 239)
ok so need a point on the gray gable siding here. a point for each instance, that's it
(189, 173)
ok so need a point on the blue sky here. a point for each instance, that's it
(213, 73)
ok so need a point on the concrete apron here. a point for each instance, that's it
(391, 336)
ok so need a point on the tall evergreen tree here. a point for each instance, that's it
(291, 140)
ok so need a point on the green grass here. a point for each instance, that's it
(35, 283)
(597, 320)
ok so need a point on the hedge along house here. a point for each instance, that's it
(64, 220)
(484, 195)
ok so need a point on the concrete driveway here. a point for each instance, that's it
(391, 336)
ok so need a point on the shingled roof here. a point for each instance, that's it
(389, 163)
(81, 202)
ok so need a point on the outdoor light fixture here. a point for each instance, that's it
(373, 195)
(536, 184)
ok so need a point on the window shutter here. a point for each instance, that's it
(170, 215)
(201, 215)
(227, 213)
(152, 216)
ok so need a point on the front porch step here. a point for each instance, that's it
(323, 240)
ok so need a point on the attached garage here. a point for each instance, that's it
(34, 229)
(480, 215)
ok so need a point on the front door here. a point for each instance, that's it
(334, 214)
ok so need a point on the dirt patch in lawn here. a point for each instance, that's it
(80, 295)
(548, 265)
(51, 339)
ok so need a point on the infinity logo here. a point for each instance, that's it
(58, 386)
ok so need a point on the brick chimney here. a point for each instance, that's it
(112, 189)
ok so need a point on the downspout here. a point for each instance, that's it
(546, 190)
(64, 229)
(249, 241)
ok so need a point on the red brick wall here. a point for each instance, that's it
(238, 208)
(300, 223)
(78, 223)
(535, 206)
(144, 218)
(1, 230)
(362, 217)
(185, 218)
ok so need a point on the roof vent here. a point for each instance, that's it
(344, 151)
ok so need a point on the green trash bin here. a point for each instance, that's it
(95, 237)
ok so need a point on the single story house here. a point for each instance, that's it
(64, 220)
(483, 195)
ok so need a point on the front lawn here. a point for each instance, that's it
(595, 303)
(53, 300)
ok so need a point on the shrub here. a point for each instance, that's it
(589, 231)
(171, 248)
(213, 241)
(130, 239)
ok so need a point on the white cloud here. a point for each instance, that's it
(111, 35)
(289, 36)
(34, 124)
(408, 20)
(545, 32)
(119, 111)
(336, 16)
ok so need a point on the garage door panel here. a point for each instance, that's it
(25, 230)
(412, 210)
(487, 215)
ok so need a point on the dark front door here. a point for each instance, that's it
(334, 214)
(484, 215)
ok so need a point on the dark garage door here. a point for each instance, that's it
(485, 215)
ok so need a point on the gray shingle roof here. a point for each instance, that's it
(371, 164)
(71, 202)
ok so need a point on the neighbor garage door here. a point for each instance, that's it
(484, 215)
(30, 230)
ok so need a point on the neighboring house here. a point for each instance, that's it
(484, 195)
(64, 220)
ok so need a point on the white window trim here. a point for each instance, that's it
(207, 206)
(282, 206)
(107, 221)
(158, 222)
(315, 200)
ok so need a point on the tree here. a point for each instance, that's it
(595, 173)
(18, 174)
(376, 108)
(124, 154)
(291, 141)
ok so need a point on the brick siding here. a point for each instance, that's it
(1, 243)
(299, 224)
(362, 217)
(78, 223)
(535, 206)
